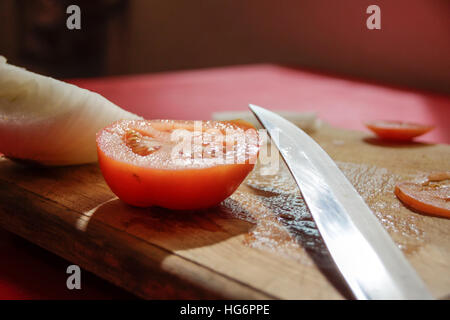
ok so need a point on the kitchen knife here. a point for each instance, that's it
(370, 262)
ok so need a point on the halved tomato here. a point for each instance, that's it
(431, 197)
(176, 164)
(398, 130)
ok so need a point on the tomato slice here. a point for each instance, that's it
(397, 130)
(176, 164)
(432, 196)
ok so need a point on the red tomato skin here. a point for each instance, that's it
(417, 202)
(183, 189)
(404, 131)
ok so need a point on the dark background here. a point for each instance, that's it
(141, 36)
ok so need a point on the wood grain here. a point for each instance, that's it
(259, 244)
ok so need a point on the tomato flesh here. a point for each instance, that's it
(145, 166)
(431, 197)
(397, 130)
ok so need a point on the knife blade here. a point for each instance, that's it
(366, 256)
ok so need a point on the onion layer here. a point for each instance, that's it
(48, 121)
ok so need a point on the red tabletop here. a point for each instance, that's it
(28, 272)
(341, 102)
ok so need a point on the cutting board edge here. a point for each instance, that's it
(176, 287)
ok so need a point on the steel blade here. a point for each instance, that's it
(370, 262)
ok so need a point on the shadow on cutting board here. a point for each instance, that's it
(396, 144)
(175, 230)
(185, 231)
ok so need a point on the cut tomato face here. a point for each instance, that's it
(431, 197)
(397, 130)
(176, 164)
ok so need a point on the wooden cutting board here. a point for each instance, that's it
(260, 243)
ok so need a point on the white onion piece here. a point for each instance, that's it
(48, 121)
